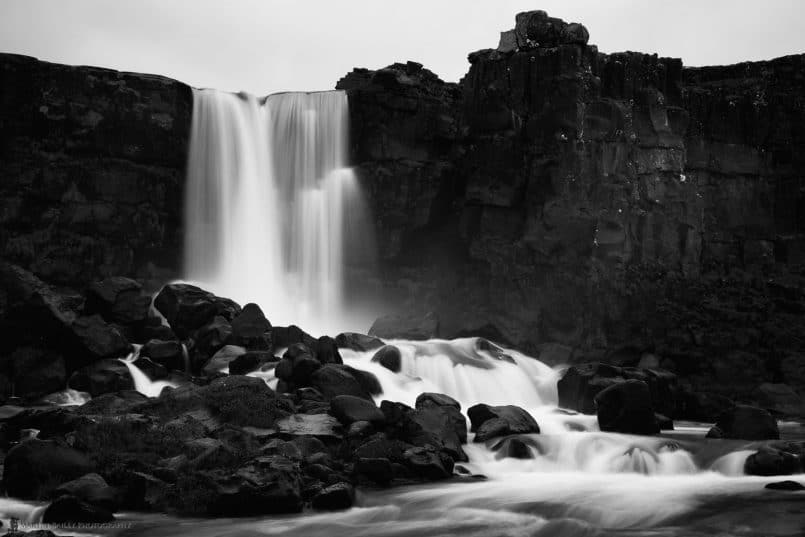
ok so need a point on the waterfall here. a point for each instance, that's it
(271, 208)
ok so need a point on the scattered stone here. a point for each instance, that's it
(389, 357)
(513, 420)
(626, 408)
(745, 422)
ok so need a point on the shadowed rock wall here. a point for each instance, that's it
(92, 167)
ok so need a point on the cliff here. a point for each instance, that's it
(577, 204)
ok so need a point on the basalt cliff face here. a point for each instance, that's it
(577, 204)
(596, 206)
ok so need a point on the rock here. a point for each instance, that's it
(118, 300)
(626, 408)
(211, 337)
(245, 401)
(349, 409)
(358, 342)
(35, 467)
(326, 351)
(166, 353)
(707, 407)
(446, 406)
(777, 458)
(287, 336)
(222, 358)
(152, 370)
(69, 509)
(251, 329)
(377, 470)
(428, 463)
(366, 379)
(389, 357)
(98, 338)
(745, 422)
(516, 420)
(338, 496)
(319, 425)
(513, 447)
(250, 361)
(122, 402)
(332, 380)
(187, 307)
(779, 399)
(102, 377)
(37, 372)
(92, 489)
(265, 485)
(297, 365)
(785, 485)
(402, 327)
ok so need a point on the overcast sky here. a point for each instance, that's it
(277, 45)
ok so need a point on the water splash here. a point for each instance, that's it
(272, 211)
(143, 384)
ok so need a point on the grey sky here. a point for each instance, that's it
(275, 45)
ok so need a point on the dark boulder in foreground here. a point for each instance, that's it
(406, 327)
(35, 467)
(777, 458)
(69, 509)
(744, 422)
(626, 407)
(492, 421)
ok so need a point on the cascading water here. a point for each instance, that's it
(272, 211)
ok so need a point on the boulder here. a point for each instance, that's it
(358, 342)
(251, 329)
(337, 496)
(118, 300)
(428, 463)
(287, 336)
(152, 370)
(221, 359)
(169, 354)
(187, 307)
(113, 403)
(447, 406)
(99, 339)
(69, 509)
(745, 422)
(349, 409)
(777, 458)
(245, 401)
(332, 380)
(102, 377)
(318, 425)
(250, 361)
(265, 485)
(406, 327)
(91, 489)
(512, 420)
(389, 357)
(326, 351)
(377, 469)
(35, 467)
(626, 407)
(36, 372)
(297, 366)
(212, 336)
(513, 447)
